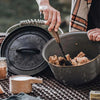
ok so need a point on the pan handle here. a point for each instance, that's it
(35, 22)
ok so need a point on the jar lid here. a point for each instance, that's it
(2, 58)
(23, 50)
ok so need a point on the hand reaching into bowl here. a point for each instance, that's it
(94, 34)
(50, 14)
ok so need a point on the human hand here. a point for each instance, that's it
(52, 16)
(94, 34)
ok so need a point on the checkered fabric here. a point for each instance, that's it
(79, 15)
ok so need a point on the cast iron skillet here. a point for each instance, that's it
(73, 43)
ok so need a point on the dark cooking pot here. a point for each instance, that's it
(23, 47)
(72, 44)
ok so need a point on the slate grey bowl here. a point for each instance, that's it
(73, 43)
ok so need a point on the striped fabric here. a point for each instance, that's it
(79, 15)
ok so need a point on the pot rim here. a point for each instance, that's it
(60, 66)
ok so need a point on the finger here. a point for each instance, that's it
(58, 21)
(98, 31)
(46, 14)
(95, 29)
(98, 38)
(95, 36)
(54, 19)
(49, 18)
(90, 35)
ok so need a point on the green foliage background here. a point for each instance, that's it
(12, 11)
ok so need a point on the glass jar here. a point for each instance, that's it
(3, 68)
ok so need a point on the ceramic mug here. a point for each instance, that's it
(22, 83)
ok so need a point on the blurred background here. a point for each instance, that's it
(13, 11)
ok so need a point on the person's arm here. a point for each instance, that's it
(50, 14)
(94, 34)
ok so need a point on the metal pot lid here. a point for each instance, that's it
(23, 50)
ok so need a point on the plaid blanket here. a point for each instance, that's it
(79, 15)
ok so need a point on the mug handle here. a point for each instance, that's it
(36, 80)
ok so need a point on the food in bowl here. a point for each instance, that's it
(80, 59)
